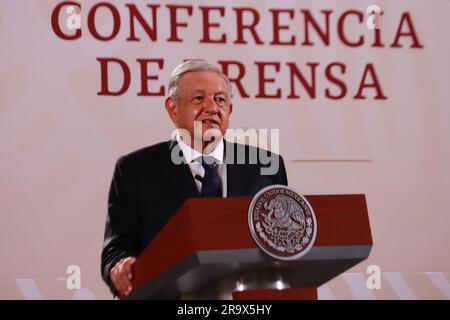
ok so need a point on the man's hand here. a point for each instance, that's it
(121, 275)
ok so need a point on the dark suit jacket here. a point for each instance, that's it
(147, 189)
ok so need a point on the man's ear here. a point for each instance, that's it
(171, 108)
(231, 108)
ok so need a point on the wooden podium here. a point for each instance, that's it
(206, 251)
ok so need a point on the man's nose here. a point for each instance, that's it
(210, 105)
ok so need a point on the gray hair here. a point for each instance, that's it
(192, 66)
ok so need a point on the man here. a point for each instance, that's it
(150, 184)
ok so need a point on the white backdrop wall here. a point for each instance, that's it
(60, 138)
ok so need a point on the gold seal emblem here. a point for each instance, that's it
(282, 222)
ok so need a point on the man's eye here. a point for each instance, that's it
(198, 98)
(220, 100)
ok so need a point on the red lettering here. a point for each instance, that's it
(377, 41)
(277, 27)
(55, 21)
(310, 87)
(116, 21)
(174, 24)
(105, 91)
(263, 80)
(324, 34)
(329, 75)
(135, 14)
(411, 32)
(341, 32)
(236, 80)
(369, 70)
(377, 32)
(145, 77)
(207, 25)
(240, 26)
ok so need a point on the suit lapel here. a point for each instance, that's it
(180, 175)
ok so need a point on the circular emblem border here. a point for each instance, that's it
(255, 237)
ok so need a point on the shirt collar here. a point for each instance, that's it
(191, 154)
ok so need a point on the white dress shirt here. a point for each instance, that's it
(191, 155)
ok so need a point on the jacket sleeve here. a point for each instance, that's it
(121, 237)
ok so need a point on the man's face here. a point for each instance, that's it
(202, 96)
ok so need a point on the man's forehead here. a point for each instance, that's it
(204, 74)
(202, 90)
(203, 80)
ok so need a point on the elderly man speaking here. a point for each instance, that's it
(150, 184)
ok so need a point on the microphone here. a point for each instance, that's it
(199, 178)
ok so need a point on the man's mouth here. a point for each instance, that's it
(210, 121)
